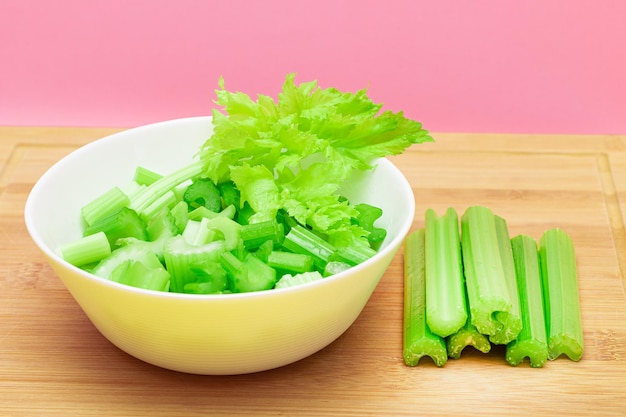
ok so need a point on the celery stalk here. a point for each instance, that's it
(531, 341)
(468, 335)
(560, 291)
(145, 176)
(446, 310)
(104, 205)
(418, 340)
(491, 304)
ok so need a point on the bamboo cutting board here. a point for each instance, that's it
(54, 363)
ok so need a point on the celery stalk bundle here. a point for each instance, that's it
(505, 291)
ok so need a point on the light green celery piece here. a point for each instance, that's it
(468, 335)
(86, 250)
(104, 205)
(531, 342)
(561, 298)
(145, 197)
(291, 280)
(418, 340)
(446, 308)
(141, 275)
(165, 202)
(489, 299)
(145, 176)
(511, 320)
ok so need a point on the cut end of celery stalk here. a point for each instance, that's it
(432, 348)
(534, 350)
(468, 336)
(565, 345)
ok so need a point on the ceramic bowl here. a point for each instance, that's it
(205, 334)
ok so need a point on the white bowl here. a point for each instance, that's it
(205, 334)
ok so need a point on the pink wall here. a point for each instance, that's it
(544, 66)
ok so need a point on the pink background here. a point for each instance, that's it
(537, 66)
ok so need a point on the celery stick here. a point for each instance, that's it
(248, 275)
(86, 250)
(490, 302)
(203, 193)
(149, 194)
(290, 262)
(511, 320)
(229, 230)
(335, 267)
(467, 335)
(254, 234)
(165, 202)
(560, 291)
(104, 205)
(302, 240)
(139, 275)
(446, 308)
(418, 340)
(531, 341)
(121, 224)
(145, 176)
(355, 253)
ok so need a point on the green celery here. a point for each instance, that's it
(289, 280)
(511, 320)
(249, 274)
(531, 341)
(418, 340)
(335, 267)
(203, 193)
(180, 215)
(301, 240)
(290, 262)
(86, 250)
(145, 176)
(121, 224)
(446, 307)
(149, 194)
(104, 205)
(138, 274)
(135, 251)
(166, 201)
(366, 218)
(230, 194)
(487, 273)
(228, 230)
(254, 234)
(467, 335)
(561, 298)
(354, 253)
(181, 257)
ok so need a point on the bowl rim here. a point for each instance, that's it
(393, 244)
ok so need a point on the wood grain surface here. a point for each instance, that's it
(53, 362)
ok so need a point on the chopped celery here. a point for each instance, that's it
(104, 205)
(560, 291)
(254, 234)
(335, 267)
(139, 251)
(86, 250)
(230, 194)
(354, 253)
(249, 274)
(418, 340)
(290, 262)
(531, 341)
(301, 240)
(181, 257)
(120, 224)
(180, 215)
(289, 280)
(203, 193)
(467, 335)
(145, 176)
(490, 302)
(149, 194)
(166, 201)
(229, 230)
(366, 218)
(446, 307)
(138, 274)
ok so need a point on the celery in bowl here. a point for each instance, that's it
(212, 334)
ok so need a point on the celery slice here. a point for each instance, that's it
(145, 176)
(302, 240)
(468, 335)
(531, 341)
(560, 291)
(104, 205)
(86, 250)
(123, 223)
(290, 262)
(418, 340)
(446, 308)
(289, 280)
(491, 303)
